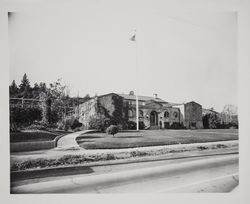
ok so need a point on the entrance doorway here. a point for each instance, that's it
(153, 118)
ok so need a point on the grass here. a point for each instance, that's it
(154, 138)
(99, 157)
(33, 136)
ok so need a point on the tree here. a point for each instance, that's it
(211, 121)
(35, 91)
(112, 130)
(230, 109)
(24, 87)
(13, 89)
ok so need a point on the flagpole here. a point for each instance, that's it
(134, 38)
(136, 69)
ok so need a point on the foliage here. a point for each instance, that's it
(112, 130)
(36, 127)
(230, 109)
(69, 123)
(55, 102)
(211, 121)
(132, 125)
(23, 116)
(99, 123)
(13, 89)
(177, 126)
(24, 87)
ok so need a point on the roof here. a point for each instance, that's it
(142, 98)
(193, 102)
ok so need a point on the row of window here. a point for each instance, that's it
(166, 114)
(141, 103)
(130, 113)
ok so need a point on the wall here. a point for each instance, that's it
(160, 110)
(87, 110)
(193, 115)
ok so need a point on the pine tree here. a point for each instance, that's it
(35, 91)
(13, 89)
(24, 87)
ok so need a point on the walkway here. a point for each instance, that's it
(68, 142)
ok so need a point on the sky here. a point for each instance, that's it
(181, 56)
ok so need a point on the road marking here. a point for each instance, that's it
(234, 176)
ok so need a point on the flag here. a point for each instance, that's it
(133, 37)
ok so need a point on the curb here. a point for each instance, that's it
(89, 183)
(86, 168)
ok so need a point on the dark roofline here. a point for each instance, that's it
(109, 94)
(193, 102)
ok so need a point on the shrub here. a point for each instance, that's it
(69, 123)
(132, 125)
(36, 127)
(60, 125)
(75, 124)
(98, 123)
(202, 147)
(112, 130)
(177, 126)
(141, 125)
(138, 153)
(23, 116)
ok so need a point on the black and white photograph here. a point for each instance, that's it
(123, 97)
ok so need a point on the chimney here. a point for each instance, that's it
(155, 96)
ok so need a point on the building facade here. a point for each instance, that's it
(154, 112)
(193, 115)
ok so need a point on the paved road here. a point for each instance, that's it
(206, 174)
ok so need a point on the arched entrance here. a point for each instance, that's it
(153, 118)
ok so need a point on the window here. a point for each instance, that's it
(175, 114)
(141, 103)
(130, 113)
(166, 114)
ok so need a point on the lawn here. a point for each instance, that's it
(144, 138)
(33, 136)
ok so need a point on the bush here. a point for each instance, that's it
(24, 116)
(69, 123)
(98, 123)
(177, 126)
(112, 130)
(75, 124)
(36, 127)
(60, 125)
(132, 125)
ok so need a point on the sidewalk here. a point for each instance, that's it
(68, 142)
(59, 152)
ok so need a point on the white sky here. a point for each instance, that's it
(181, 56)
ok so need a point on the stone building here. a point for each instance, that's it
(193, 115)
(154, 112)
